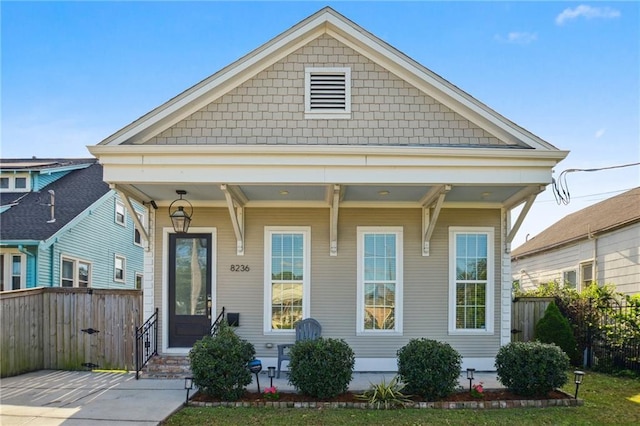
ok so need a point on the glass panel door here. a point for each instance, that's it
(190, 299)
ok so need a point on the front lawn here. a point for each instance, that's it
(608, 400)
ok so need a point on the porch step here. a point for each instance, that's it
(167, 367)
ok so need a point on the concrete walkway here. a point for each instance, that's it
(47, 398)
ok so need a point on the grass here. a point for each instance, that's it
(608, 401)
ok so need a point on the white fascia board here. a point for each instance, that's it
(144, 154)
(347, 165)
(302, 174)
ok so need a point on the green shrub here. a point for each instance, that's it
(429, 368)
(321, 368)
(385, 395)
(219, 364)
(554, 328)
(531, 368)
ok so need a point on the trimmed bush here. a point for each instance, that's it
(554, 328)
(219, 364)
(429, 368)
(531, 368)
(321, 368)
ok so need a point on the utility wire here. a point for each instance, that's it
(561, 188)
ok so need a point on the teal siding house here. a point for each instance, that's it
(62, 226)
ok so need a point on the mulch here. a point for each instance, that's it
(489, 395)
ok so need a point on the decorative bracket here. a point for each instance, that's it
(528, 196)
(435, 197)
(235, 202)
(124, 196)
(333, 212)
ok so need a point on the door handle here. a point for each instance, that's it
(209, 306)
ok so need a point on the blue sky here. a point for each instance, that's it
(73, 73)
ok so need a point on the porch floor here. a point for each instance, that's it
(362, 381)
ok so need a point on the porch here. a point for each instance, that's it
(362, 381)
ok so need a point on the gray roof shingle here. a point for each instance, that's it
(74, 193)
(607, 215)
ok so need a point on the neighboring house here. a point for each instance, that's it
(61, 226)
(333, 177)
(598, 243)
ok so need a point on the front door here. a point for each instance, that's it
(190, 298)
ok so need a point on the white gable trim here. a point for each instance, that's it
(328, 22)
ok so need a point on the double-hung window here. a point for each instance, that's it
(75, 273)
(287, 276)
(119, 268)
(586, 275)
(569, 278)
(13, 271)
(120, 213)
(471, 280)
(379, 282)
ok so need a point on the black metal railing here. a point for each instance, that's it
(216, 324)
(146, 342)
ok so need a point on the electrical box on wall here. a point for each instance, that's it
(233, 319)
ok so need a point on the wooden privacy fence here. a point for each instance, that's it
(68, 329)
(525, 314)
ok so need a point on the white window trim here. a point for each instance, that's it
(327, 114)
(12, 182)
(489, 310)
(563, 281)
(306, 282)
(580, 276)
(8, 269)
(124, 214)
(135, 282)
(124, 269)
(142, 218)
(76, 275)
(361, 232)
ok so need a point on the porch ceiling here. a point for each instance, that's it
(311, 195)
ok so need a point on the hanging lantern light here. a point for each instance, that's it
(180, 218)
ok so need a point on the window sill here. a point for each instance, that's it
(379, 333)
(471, 332)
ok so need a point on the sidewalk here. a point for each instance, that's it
(47, 398)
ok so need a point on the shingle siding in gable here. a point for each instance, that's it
(86, 243)
(269, 109)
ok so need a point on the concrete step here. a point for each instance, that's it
(167, 367)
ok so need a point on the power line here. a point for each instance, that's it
(597, 195)
(561, 188)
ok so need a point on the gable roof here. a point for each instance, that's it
(74, 193)
(326, 21)
(605, 216)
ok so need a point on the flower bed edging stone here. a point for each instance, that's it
(569, 401)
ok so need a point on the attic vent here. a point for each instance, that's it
(328, 93)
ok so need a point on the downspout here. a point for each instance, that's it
(30, 265)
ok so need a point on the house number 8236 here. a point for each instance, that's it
(239, 268)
